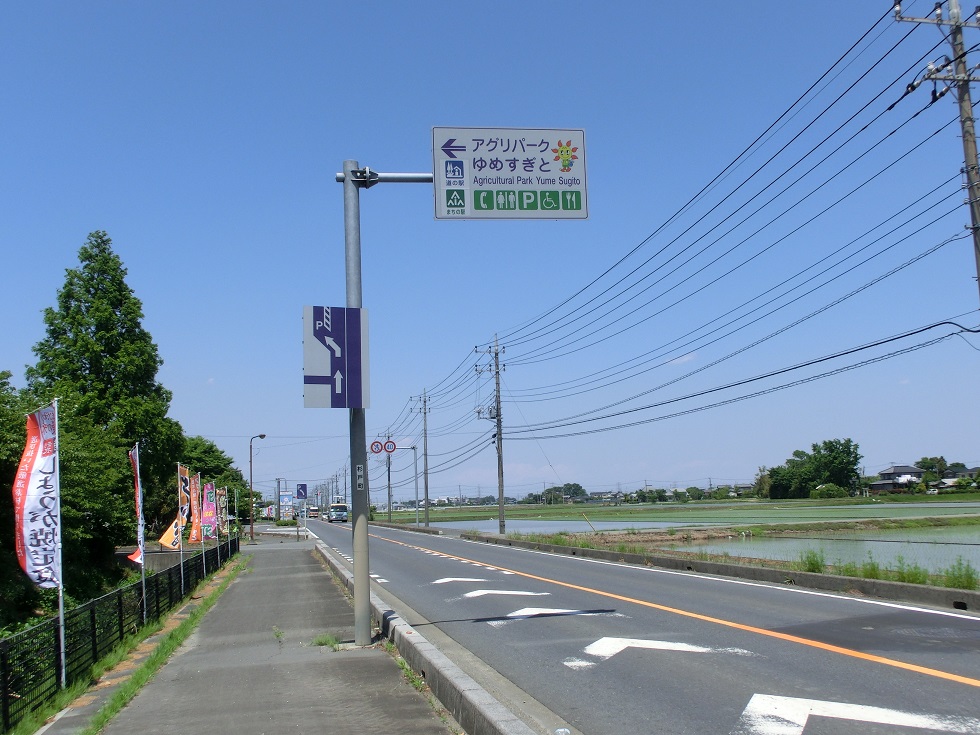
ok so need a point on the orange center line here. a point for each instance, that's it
(895, 663)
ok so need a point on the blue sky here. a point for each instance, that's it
(204, 138)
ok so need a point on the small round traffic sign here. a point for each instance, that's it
(376, 447)
(390, 446)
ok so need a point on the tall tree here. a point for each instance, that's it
(836, 461)
(204, 456)
(98, 357)
(833, 461)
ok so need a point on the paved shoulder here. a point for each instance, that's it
(251, 667)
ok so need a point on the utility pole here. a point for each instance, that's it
(499, 436)
(425, 452)
(961, 78)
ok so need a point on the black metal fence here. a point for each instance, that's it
(30, 661)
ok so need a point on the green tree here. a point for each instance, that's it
(936, 465)
(204, 456)
(836, 461)
(762, 483)
(98, 357)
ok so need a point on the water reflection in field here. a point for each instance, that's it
(931, 548)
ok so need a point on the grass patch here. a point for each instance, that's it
(911, 574)
(870, 569)
(812, 560)
(960, 575)
(326, 639)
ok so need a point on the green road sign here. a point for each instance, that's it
(509, 173)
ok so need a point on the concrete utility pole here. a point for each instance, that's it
(499, 436)
(425, 453)
(961, 78)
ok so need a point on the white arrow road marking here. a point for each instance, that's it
(513, 593)
(445, 580)
(768, 714)
(534, 612)
(609, 647)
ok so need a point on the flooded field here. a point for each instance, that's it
(933, 549)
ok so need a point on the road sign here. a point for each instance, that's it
(377, 447)
(335, 357)
(301, 491)
(390, 446)
(509, 173)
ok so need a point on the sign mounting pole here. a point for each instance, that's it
(358, 447)
(354, 178)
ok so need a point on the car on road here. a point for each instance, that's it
(337, 512)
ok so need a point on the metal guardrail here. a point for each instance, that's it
(30, 660)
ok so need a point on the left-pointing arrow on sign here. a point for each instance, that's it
(451, 150)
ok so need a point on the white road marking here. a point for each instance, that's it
(768, 714)
(535, 612)
(446, 580)
(609, 647)
(511, 593)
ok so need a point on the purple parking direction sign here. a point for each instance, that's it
(335, 357)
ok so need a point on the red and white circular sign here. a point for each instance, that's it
(376, 447)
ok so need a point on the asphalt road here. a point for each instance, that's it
(613, 648)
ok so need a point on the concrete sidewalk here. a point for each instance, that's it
(251, 668)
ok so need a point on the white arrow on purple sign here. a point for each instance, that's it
(335, 357)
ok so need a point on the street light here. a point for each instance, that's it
(251, 489)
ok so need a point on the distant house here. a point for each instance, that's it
(897, 477)
(955, 474)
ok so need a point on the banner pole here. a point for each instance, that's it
(63, 674)
(180, 533)
(200, 515)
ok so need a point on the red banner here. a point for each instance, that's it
(37, 502)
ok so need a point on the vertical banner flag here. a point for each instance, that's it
(195, 534)
(134, 460)
(209, 513)
(37, 501)
(171, 538)
(223, 510)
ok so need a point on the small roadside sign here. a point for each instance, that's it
(509, 173)
(335, 357)
(377, 447)
(390, 446)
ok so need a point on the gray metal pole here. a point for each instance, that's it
(389, 480)
(358, 430)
